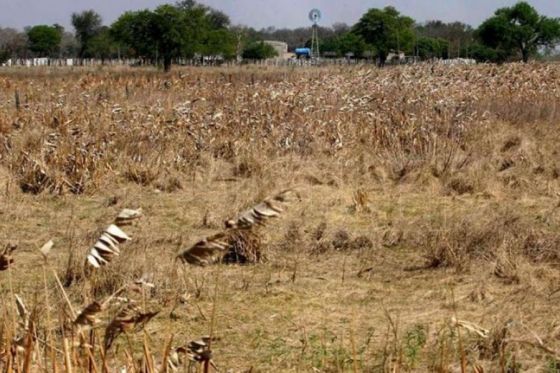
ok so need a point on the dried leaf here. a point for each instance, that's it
(472, 327)
(88, 316)
(130, 318)
(6, 259)
(46, 248)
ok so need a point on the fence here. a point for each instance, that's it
(32, 62)
(61, 62)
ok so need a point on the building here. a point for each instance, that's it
(280, 47)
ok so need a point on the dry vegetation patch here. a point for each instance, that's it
(425, 235)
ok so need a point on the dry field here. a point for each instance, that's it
(426, 236)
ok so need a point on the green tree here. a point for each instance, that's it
(328, 47)
(102, 45)
(342, 45)
(133, 30)
(44, 40)
(218, 19)
(87, 25)
(518, 31)
(162, 33)
(4, 55)
(187, 4)
(350, 43)
(259, 51)
(203, 29)
(196, 30)
(483, 53)
(220, 42)
(243, 35)
(171, 31)
(459, 36)
(386, 30)
(169, 26)
(427, 47)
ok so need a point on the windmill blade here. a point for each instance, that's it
(46, 248)
(100, 245)
(103, 259)
(92, 261)
(238, 243)
(109, 241)
(116, 233)
(207, 251)
(260, 214)
(230, 246)
(106, 247)
(127, 216)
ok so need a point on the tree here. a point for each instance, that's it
(171, 31)
(13, 44)
(44, 40)
(259, 51)
(187, 4)
(350, 43)
(483, 53)
(343, 45)
(427, 48)
(218, 19)
(206, 30)
(196, 29)
(243, 35)
(458, 35)
(298, 37)
(69, 46)
(87, 25)
(220, 42)
(135, 30)
(154, 34)
(518, 31)
(328, 47)
(4, 56)
(340, 28)
(102, 45)
(169, 25)
(386, 30)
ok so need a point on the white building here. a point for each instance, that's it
(280, 47)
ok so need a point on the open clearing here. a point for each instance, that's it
(428, 194)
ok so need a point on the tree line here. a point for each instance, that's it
(188, 29)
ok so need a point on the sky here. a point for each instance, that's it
(263, 13)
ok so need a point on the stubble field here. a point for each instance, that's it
(425, 235)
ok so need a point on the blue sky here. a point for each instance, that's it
(262, 13)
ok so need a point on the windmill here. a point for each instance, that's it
(315, 17)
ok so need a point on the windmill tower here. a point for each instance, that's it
(315, 17)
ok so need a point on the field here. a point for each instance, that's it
(426, 234)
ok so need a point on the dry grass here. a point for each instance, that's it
(429, 211)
